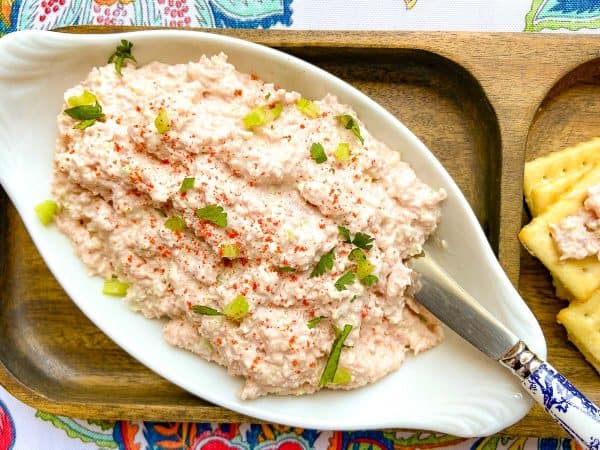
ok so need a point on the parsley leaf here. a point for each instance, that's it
(344, 280)
(287, 269)
(86, 114)
(334, 356)
(207, 311)
(349, 123)
(345, 232)
(214, 214)
(325, 264)
(317, 153)
(369, 280)
(362, 240)
(187, 184)
(175, 223)
(357, 255)
(313, 322)
(121, 54)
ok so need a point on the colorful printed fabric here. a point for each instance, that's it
(22, 428)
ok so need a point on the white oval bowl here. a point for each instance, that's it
(452, 388)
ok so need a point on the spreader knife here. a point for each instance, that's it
(441, 295)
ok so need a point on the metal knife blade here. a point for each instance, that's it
(450, 303)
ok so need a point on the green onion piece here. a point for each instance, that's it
(255, 118)
(345, 280)
(369, 280)
(230, 251)
(357, 255)
(350, 123)
(308, 108)
(345, 233)
(84, 124)
(46, 211)
(121, 54)
(363, 240)
(364, 268)
(342, 152)
(274, 112)
(115, 288)
(237, 308)
(187, 184)
(267, 96)
(313, 322)
(214, 214)
(325, 264)
(342, 376)
(85, 112)
(162, 122)
(206, 311)
(287, 269)
(317, 153)
(86, 98)
(334, 356)
(175, 223)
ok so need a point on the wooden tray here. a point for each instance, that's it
(481, 102)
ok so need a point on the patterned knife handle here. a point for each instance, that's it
(569, 407)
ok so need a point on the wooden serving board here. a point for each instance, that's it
(483, 103)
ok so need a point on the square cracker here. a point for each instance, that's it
(580, 277)
(545, 194)
(582, 321)
(558, 164)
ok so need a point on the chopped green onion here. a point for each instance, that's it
(342, 376)
(287, 269)
(350, 123)
(187, 184)
(162, 122)
(206, 310)
(85, 112)
(343, 281)
(230, 251)
(342, 152)
(84, 124)
(237, 308)
(274, 112)
(267, 96)
(325, 264)
(334, 356)
(86, 98)
(313, 322)
(308, 108)
(255, 118)
(317, 153)
(214, 214)
(121, 54)
(364, 268)
(46, 211)
(345, 233)
(363, 240)
(115, 288)
(357, 255)
(369, 280)
(175, 223)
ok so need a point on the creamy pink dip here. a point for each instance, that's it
(578, 236)
(115, 181)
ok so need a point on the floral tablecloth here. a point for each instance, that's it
(23, 428)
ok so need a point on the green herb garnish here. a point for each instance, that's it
(237, 308)
(357, 255)
(308, 108)
(334, 356)
(206, 311)
(86, 114)
(363, 240)
(214, 214)
(317, 153)
(162, 122)
(313, 322)
(342, 376)
(344, 280)
(267, 96)
(369, 280)
(230, 251)
(287, 269)
(121, 54)
(86, 98)
(350, 123)
(115, 288)
(187, 184)
(364, 268)
(325, 264)
(342, 152)
(46, 211)
(175, 223)
(345, 233)
(260, 116)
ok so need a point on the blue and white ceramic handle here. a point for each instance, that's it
(569, 407)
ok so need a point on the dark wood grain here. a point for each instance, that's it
(472, 98)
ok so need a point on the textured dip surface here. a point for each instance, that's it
(578, 236)
(118, 181)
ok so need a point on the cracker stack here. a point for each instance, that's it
(555, 187)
